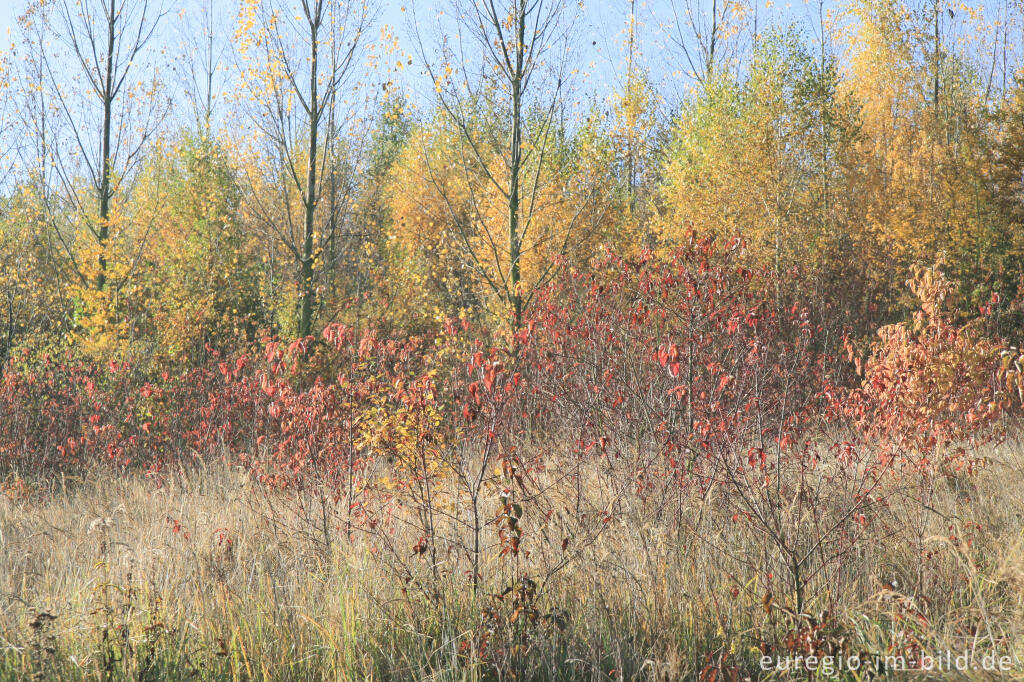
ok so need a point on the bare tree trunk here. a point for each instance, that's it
(103, 233)
(515, 167)
(938, 59)
(310, 199)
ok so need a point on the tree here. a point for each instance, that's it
(201, 275)
(448, 235)
(926, 148)
(201, 69)
(109, 117)
(765, 156)
(705, 35)
(9, 284)
(389, 139)
(517, 83)
(1005, 184)
(299, 67)
(88, 107)
(1008, 161)
(637, 136)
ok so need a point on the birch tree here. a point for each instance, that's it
(300, 63)
(107, 96)
(501, 79)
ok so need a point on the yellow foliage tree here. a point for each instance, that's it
(765, 155)
(449, 229)
(924, 149)
(202, 267)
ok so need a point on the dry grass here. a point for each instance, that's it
(99, 581)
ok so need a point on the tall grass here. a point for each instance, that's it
(206, 575)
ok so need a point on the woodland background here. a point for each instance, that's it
(848, 145)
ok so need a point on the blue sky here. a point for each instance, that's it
(9, 10)
(600, 31)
